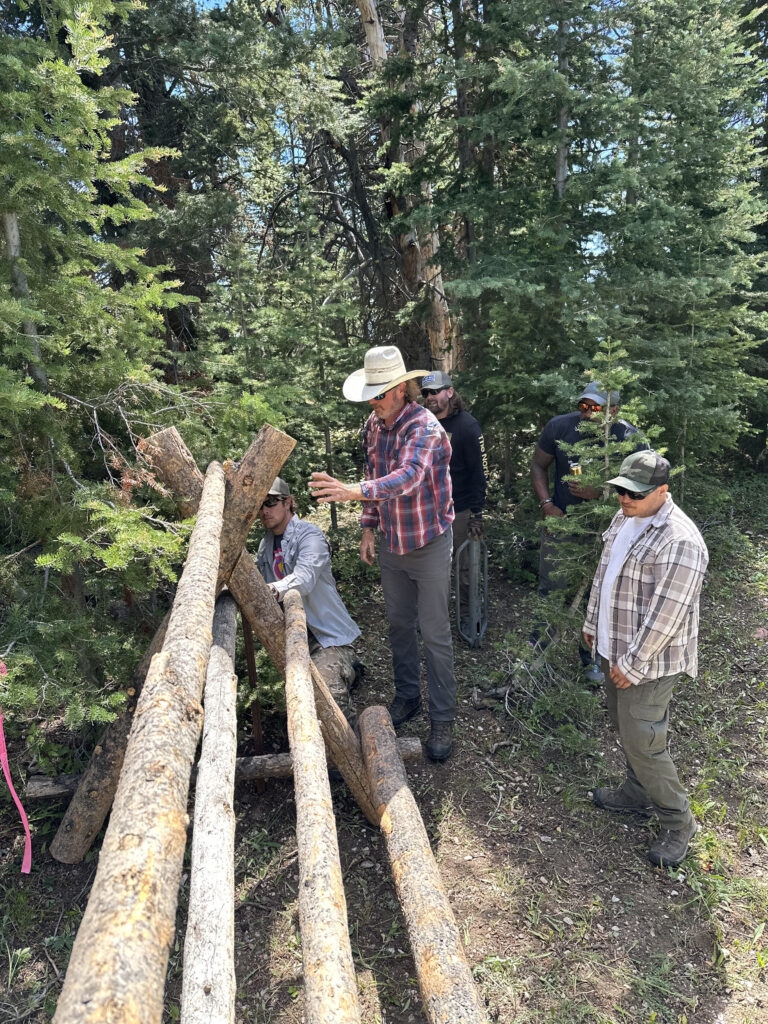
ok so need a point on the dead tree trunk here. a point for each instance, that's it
(448, 992)
(21, 290)
(330, 987)
(90, 805)
(118, 963)
(208, 983)
(258, 605)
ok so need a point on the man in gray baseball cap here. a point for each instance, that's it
(469, 463)
(643, 624)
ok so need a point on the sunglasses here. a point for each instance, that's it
(271, 501)
(378, 398)
(431, 391)
(632, 495)
(589, 407)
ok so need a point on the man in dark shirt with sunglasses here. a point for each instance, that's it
(567, 488)
(469, 464)
(643, 623)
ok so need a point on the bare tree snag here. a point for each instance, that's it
(97, 785)
(208, 982)
(119, 959)
(448, 992)
(330, 987)
(259, 607)
(247, 769)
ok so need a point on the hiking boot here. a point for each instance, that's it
(618, 801)
(440, 743)
(671, 845)
(402, 710)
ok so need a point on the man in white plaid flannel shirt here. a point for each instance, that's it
(643, 622)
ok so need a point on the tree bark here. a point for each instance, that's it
(448, 991)
(330, 987)
(258, 605)
(563, 113)
(97, 785)
(21, 290)
(119, 959)
(208, 982)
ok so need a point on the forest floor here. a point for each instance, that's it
(562, 916)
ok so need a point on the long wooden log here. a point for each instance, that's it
(257, 603)
(90, 805)
(448, 992)
(97, 785)
(264, 766)
(330, 987)
(119, 959)
(208, 981)
(280, 766)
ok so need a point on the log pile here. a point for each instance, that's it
(145, 761)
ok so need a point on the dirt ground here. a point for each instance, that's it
(562, 916)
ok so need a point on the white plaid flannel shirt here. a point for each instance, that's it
(654, 624)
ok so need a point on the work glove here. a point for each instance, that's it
(475, 526)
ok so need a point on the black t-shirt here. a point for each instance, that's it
(278, 566)
(566, 428)
(469, 464)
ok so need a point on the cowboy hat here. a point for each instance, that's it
(384, 368)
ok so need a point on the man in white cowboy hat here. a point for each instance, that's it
(406, 494)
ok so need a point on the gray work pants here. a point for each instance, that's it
(640, 715)
(416, 590)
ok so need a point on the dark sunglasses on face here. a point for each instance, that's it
(271, 501)
(378, 398)
(589, 407)
(425, 392)
(632, 495)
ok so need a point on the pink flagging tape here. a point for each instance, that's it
(26, 863)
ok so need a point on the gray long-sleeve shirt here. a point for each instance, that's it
(307, 560)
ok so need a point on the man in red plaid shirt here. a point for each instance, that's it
(406, 495)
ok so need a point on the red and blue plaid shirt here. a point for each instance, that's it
(407, 486)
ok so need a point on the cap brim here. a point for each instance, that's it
(632, 485)
(356, 390)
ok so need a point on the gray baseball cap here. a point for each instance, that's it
(593, 393)
(642, 472)
(279, 488)
(436, 381)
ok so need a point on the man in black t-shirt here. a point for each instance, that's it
(568, 491)
(469, 464)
